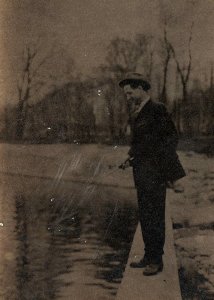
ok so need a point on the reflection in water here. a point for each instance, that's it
(71, 242)
(41, 257)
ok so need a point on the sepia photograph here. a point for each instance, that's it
(107, 150)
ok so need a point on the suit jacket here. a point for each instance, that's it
(153, 145)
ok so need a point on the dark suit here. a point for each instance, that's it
(153, 149)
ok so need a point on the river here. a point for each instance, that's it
(63, 240)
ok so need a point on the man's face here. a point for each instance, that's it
(134, 94)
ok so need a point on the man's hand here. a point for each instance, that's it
(126, 164)
(170, 185)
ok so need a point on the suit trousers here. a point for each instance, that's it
(151, 193)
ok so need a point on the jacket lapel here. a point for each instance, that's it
(145, 111)
(145, 115)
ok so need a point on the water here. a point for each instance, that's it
(64, 241)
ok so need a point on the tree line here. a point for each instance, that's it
(54, 102)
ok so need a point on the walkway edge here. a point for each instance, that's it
(165, 285)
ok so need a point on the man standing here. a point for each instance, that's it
(155, 163)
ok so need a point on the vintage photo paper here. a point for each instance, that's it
(106, 149)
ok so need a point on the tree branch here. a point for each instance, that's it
(190, 54)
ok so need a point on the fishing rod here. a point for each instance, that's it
(113, 169)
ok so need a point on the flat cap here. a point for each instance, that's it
(135, 78)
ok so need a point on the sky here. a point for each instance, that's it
(84, 28)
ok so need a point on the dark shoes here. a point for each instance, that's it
(150, 268)
(140, 264)
(153, 269)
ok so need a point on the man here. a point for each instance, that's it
(155, 163)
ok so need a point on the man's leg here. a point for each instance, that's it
(151, 202)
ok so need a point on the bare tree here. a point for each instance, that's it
(167, 57)
(184, 74)
(24, 87)
(38, 73)
(122, 56)
(144, 45)
(208, 102)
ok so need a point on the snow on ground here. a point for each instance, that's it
(192, 206)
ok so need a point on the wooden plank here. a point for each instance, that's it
(164, 285)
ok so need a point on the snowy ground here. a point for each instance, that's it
(192, 201)
(193, 216)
